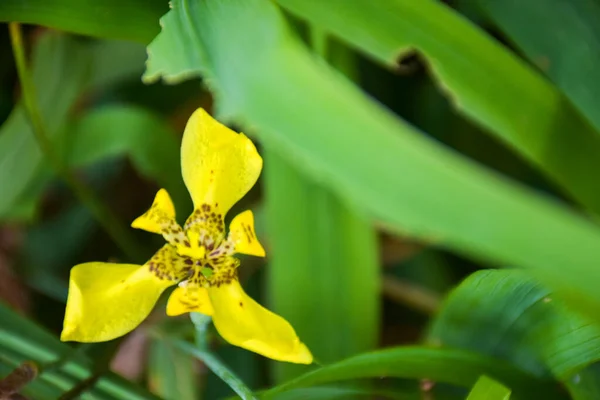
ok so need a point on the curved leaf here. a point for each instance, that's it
(439, 365)
(509, 315)
(344, 140)
(483, 80)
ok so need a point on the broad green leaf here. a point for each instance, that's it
(561, 37)
(171, 373)
(118, 19)
(438, 365)
(345, 141)
(63, 68)
(323, 271)
(483, 80)
(21, 340)
(507, 314)
(488, 389)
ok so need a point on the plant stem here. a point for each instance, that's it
(103, 215)
(414, 296)
(200, 351)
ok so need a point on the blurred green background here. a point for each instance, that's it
(428, 202)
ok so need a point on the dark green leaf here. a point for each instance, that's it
(118, 19)
(562, 37)
(127, 130)
(22, 340)
(62, 68)
(509, 315)
(60, 65)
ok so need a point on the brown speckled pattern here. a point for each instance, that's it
(207, 224)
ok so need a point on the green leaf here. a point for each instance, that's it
(509, 315)
(562, 38)
(438, 365)
(345, 141)
(119, 130)
(60, 65)
(21, 340)
(171, 373)
(323, 268)
(118, 19)
(63, 68)
(484, 81)
(341, 393)
(585, 384)
(488, 389)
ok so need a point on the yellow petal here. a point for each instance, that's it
(189, 299)
(243, 237)
(245, 323)
(218, 165)
(162, 212)
(109, 300)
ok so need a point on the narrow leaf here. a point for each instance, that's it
(438, 365)
(323, 270)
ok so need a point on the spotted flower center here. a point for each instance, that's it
(200, 251)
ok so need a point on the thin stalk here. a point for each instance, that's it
(409, 294)
(200, 351)
(111, 224)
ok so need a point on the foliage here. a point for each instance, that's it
(410, 148)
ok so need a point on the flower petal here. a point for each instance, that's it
(109, 300)
(160, 218)
(243, 237)
(189, 299)
(218, 165)
(161, 213)
(245, 323)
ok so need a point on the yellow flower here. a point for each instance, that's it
(109, 300)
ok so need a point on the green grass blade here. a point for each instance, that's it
(488, 389)
(483, 80)
(562, 38)
(217, 367)
(118, 19)
(438, 365)
(323, 270)
(21, 340)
